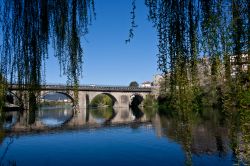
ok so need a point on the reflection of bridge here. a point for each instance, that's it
(35, 121)
(122, 96)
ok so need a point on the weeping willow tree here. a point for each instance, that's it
(3, 86)
(30, 27)
(177, 25)
(190, 30)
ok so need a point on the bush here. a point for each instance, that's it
(150, 101)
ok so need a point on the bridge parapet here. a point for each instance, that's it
(104, 88)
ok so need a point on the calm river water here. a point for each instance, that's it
(59, 135)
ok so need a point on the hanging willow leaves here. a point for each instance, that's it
(189, 30)
(29, 26)
(133, 25)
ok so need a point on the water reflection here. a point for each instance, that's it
(64, 115)
(205, 139)
(103, 115)
(10, 119)
(54, 116)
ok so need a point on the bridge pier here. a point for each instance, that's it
(82, 100)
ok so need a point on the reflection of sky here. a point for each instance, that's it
(7, 125)
(110, 146)
(54, 116)
(51, 121)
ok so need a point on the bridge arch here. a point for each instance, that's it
(112, 97)
(43, 94)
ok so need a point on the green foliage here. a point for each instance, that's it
(150, 101)
(3, 87)
(150, 112)
(245, 99)
(133, 25)
(105, 113)
(240, 135)
(190, 29)
(133, 84)
(102, 100)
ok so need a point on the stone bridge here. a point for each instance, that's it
(122, 96)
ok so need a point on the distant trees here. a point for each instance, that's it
(133, 84)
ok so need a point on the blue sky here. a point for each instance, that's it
(108, 60)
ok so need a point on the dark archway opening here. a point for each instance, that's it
(10, 98)
(12, 102)
(136, 100)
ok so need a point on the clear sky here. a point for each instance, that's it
(108, 60)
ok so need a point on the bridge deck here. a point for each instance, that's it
(87, 88)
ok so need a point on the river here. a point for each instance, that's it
(60, 135)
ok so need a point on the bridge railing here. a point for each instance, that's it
(90, 87)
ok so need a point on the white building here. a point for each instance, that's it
(157, 79)
(146, 84)
(244, 65)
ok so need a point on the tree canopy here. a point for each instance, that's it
(133, 84)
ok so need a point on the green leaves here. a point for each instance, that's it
(190, 30)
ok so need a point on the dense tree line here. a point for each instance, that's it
(191, 29)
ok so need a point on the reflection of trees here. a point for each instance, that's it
(240, 136)
(105, 113)
(209, 133)
(2, 132)
(31, 117)
(150, 112)
(2, 135)
(198, 134)
(6, 150)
